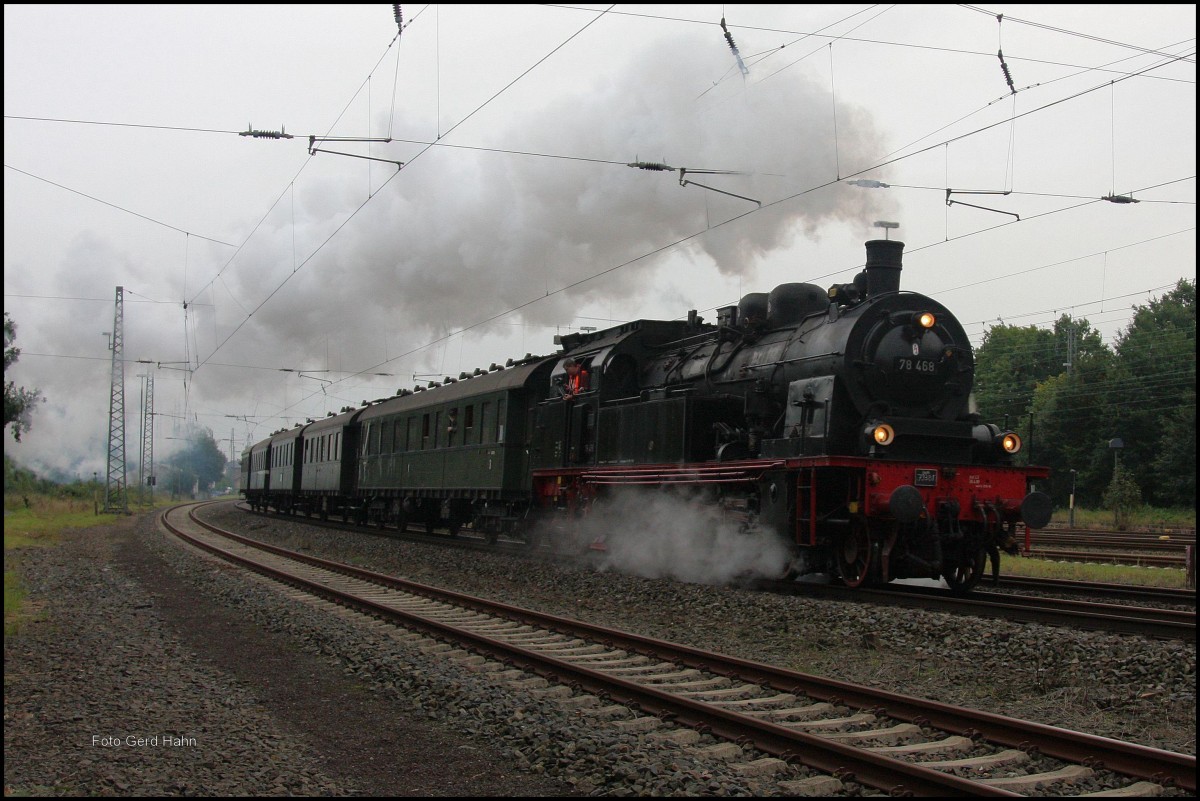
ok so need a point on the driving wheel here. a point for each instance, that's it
(853, 554)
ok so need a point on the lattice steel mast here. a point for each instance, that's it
(146, 474)
(116, 495)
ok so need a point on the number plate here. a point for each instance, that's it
(926, 477)
(921, 366)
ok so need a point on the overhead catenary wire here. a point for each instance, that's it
(788, 198)
(1067, 31)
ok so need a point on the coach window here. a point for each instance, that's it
(500, 420)
(485, 422)
(437, 426)
(451, 426)
(398, 437)
(424, 431)
(413, 441)
(468, 424)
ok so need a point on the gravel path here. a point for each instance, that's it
(144, 638)
(121, 645)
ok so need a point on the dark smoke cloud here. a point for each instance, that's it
(461, 235)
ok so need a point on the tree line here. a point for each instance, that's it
(1116, 415)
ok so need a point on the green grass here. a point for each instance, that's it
(1145, 518)
(44, 520)
(1086, 571)
(14, 598)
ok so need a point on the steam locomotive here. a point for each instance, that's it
(841, 419)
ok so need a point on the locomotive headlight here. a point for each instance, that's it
(1010, 442)
(924, 320)
(883, 434)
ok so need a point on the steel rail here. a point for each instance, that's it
(1177, 595)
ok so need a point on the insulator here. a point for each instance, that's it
(729, 38)
(1004, 69)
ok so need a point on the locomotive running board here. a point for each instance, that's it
(704, 474)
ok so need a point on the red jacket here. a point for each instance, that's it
(577, 383)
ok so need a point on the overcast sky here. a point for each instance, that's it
(515, 215)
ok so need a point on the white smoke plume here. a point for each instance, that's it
(663, 535)
(460, 235)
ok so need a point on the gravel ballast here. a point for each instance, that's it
(134, 635)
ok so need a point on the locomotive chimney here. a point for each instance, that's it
(883, 266)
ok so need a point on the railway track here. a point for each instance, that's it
(1099, 589)
(1109, 557)
(1117, 547)
(1163, 623)
(1152, 622)
(850, 734)
(1177, 534)
(1148, 544)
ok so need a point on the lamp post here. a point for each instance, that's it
(1071, 521)
(1116, 444)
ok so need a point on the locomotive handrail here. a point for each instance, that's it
(834, 353)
